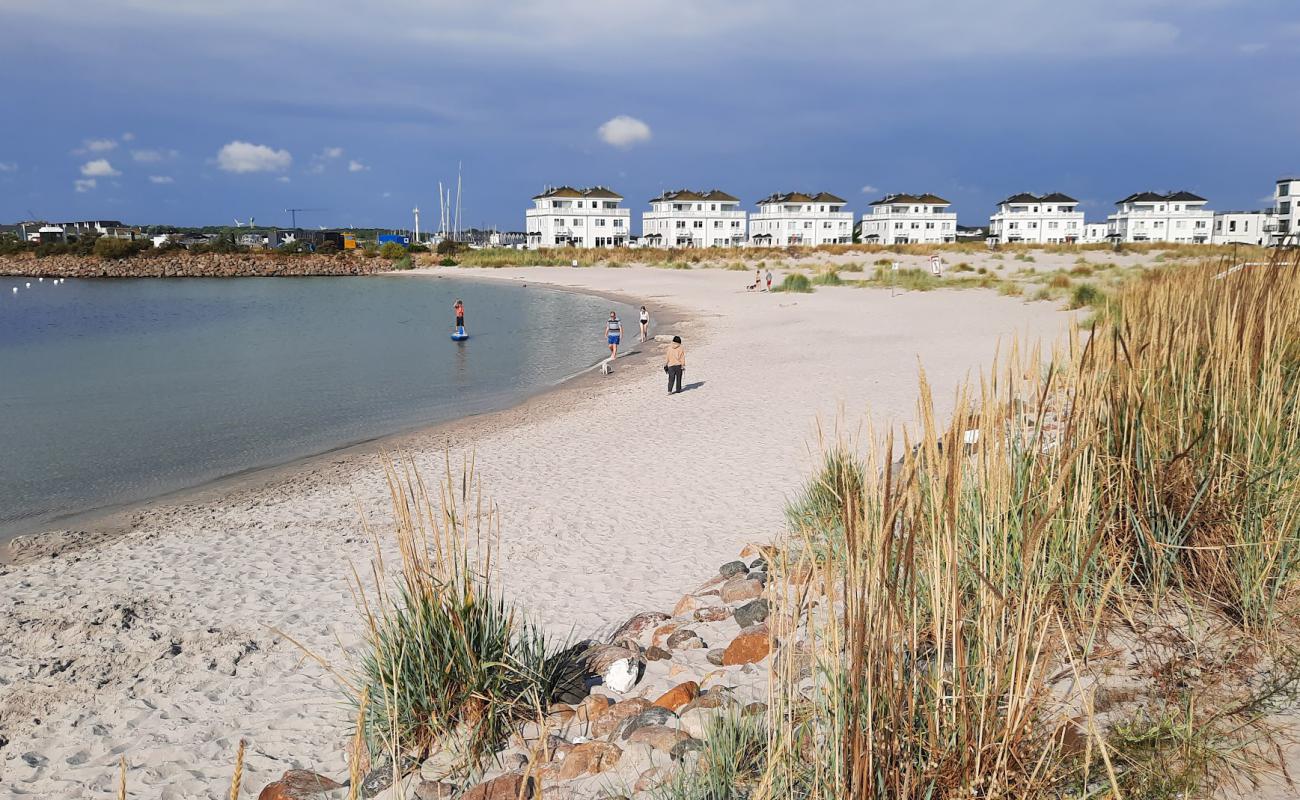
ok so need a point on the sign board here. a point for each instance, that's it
(936, 265)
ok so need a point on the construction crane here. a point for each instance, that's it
(293, 212)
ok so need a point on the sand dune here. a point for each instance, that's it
(161, 644)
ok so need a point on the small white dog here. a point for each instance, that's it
(607, 367)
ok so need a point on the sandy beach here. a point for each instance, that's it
(159, 643)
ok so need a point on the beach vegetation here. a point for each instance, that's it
(115, 249)
(1059, 281)
(1082, 584)
(448, 261)
(447, 247)
(827, 277)
(447, 661)
(963, 267)
(391, 250)
(794, 282)
(1084, 295)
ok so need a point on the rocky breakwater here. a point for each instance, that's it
(192, 265)
(640, 712)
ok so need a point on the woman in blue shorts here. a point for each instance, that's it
(613, 333)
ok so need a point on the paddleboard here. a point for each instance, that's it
(459, 334)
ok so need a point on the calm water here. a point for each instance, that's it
(118, 391)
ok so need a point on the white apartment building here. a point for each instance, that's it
(909, 219)
(1154, 217)
(1242, 227)
(1286, 213)
(1051, 219)
(569, 217)
(1094, 232)
(795, 218)
(684, 218)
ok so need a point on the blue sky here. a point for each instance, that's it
(198, 111)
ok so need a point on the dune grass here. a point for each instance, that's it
(794, 282)
(1146, 468)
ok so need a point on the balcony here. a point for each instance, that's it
(724, 214)
(780, 213)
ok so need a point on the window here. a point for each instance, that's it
(577, 223)
(898, 226)
(699, 223)
(600, 222)
(1232, 226)
(618, 223)
(717, 223)
(559, 222)
(735, 224)
(681, 223)
(929, 226)
(1283, 189)
(807, 224)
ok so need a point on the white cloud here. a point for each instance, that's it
(99, 145)
(1251, 48)
(242, 157)
(387, 194)
(869, 189)
(161, 179)
(8, 166)
(128, 137)
(152, 156)
(332, 152)
(624, 131)
(84, 185)
(357, 166)
(282, 179)
(99, 168)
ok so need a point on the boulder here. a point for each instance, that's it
(679, 695)
(511, 786)
(436, 790)
(592, 707)
(612, 718)
(589, 758)
(740, 589)
(299, 784)
(711, 614)
(714, 656)
(655, 715)
(660, 637)
(751, 613)
(660, 737)
(657, 654)
(680, 639)
(732, 569)
(639, 625)
(747, 648)
(753, 709)
(651, 779)
(688, 745)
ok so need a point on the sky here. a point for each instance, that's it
(192, 112)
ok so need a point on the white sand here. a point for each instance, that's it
(615, 498)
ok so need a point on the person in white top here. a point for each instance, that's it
(645, 323)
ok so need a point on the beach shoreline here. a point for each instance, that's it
(93, 527)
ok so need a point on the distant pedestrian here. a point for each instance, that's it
(769, 280)
(675, 364)
(459, 310)
(645, 324)
(613, 333)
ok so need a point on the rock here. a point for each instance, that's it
(759, 563)
(747, 648)
(679, 695)
(511, 786)
(753, 709)
(655, 715)
(592, 707)
(660, 637)
(688, 745)
(436, 790)
(680, 638)
(651, 779)
(732, 569)
(715, 656)
(638, 625)
(710, 587)
(657, 654)
(750, 550)
(660, 737)
(380, 777)
(695, 721)
(711, 614)
(300, 784)
(589, 758)
(687, 604)
(751, 613)
(759, 575)
(713, 699)
(740, 589)
(611, 719)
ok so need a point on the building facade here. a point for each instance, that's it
(1179, 217)
(794, 219)
(909, 219)
(567, 217)
(685, 218)
(1050, 219)
(1094, 232)
(1286, 213)
(1242, 227)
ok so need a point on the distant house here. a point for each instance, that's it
(569, 217)
(795, 218)
(1242, 227)
(909, 219)
(1286, 213)
(112, 229)
(686, 218)
(1154, 217)
(1094, 232)
(1050, 219)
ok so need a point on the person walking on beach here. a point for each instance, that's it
(675, 364)
(613, 333)
(459, 308)
(769, 280)
(645, 323)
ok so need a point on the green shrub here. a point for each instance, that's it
(828, 278)
(448, 247)
(1084, 295)
(447, 262)
(418, 248)
(392, 250)
(965, 267)
(109, 248)
(794, 282)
